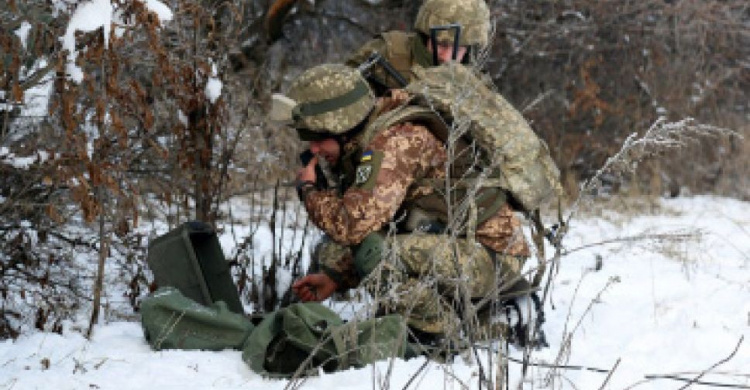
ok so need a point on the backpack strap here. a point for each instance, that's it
(407, 113)
(398, 51)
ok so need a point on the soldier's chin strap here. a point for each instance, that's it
(434, 43)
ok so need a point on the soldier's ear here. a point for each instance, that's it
(281, 109)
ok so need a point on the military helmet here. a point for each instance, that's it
(330, 99)
(472, 15)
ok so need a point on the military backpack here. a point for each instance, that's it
(509, 153)
(494, 156)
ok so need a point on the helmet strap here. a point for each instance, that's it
(327, 105)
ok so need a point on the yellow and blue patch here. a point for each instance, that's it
(366, 156)
(367, 170)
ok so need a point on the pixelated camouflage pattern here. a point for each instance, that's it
(453, 264)
(329, 81)
(418, 302)
(422, 281)
(472, 15)
(503, 234)
(500, 231)
(411, 152)
(336, 261)
(518, 159)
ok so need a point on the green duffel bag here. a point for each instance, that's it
(172, 321)
(303, 337)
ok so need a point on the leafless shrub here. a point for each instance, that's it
(661, 137)
(609, 67)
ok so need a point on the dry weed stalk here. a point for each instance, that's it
(661, 136)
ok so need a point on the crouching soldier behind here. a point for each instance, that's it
(444, 30)
(444, 277)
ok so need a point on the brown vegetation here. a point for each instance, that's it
(139, 136)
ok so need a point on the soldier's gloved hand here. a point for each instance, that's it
(314, 287)
(525, 316)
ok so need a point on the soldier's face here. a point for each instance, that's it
(327, 148)
(445, 51)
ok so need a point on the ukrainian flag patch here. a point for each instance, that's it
(366, 175)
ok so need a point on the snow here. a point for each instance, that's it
(660, 307)
(87, 17)
(23, 32)
(95, 14)
(8, 158)
(161, 10)
(213, 89)
(213, 86)
(182, 118)
(656, 307)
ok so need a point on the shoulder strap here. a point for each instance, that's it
(409, 113)
(398, 50)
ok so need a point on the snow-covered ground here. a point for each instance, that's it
(668, 297)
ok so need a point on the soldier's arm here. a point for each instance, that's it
(391, 163)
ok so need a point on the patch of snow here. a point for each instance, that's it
(653, 307)
(22, 33)
(160, 9)
(182, 118)
(93, 15)
(87, 17)
(213, 89)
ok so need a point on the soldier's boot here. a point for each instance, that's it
(525, 318)
(517, 319)
(521, 309)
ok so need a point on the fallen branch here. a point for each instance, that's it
(414, 376)
(650, 376)
(609, 375)
(697, 382)
(561, 366)
(657, 237)
(690, 381)
(722, 361)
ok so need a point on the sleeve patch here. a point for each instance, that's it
(367, 171)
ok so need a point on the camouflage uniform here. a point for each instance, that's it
(405, 50)
(420, 275)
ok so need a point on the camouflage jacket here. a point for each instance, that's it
(386, 175)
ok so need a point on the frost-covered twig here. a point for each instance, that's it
(697, 382)
(660, 137)
(608, 371)
(676, 236)
(564, 352)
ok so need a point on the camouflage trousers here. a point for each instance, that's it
(436, 282)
